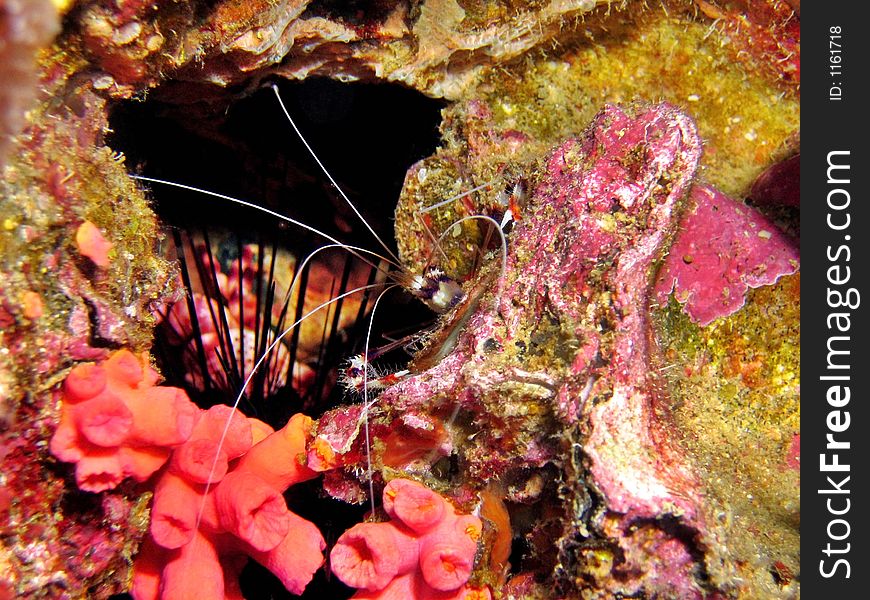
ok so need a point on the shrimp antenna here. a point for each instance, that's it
(268, 350)
(352, 249)
(501, 236)
(367, 405)
(329, 176)
(437, 205)
(251, 375)
(458, 196)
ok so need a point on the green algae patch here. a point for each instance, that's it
(55, 185)
(653, 56)
(735, 396)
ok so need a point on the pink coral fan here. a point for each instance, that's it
(723, 249)
(116, 423)
(426, 550)
(219, 502)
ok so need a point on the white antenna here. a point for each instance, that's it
(501, 236)
(352, 249)
(331, 180)
(250, 376)
(367, 405)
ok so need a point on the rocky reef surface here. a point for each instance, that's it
(610, 437)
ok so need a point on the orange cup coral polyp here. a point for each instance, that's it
(219, 502)
(427, 550)
(115, 423)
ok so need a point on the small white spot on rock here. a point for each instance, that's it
(103, 82)
(127, 33)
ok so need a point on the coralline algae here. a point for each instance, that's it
(724, 248)
(557, 359)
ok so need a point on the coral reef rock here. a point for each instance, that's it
(438, 46)
(556, 365)
(609, 444)
(723, 249)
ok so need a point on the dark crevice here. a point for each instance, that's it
(362, 15)
(677, 529)
(367, 135)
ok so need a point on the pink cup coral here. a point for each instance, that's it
(427, 550)
(115, 423)
(220, 502)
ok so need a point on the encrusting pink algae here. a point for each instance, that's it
(723, 249)
(611, 412)
(580, 266)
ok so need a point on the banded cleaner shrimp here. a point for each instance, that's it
(432, 285)
(230, 154)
